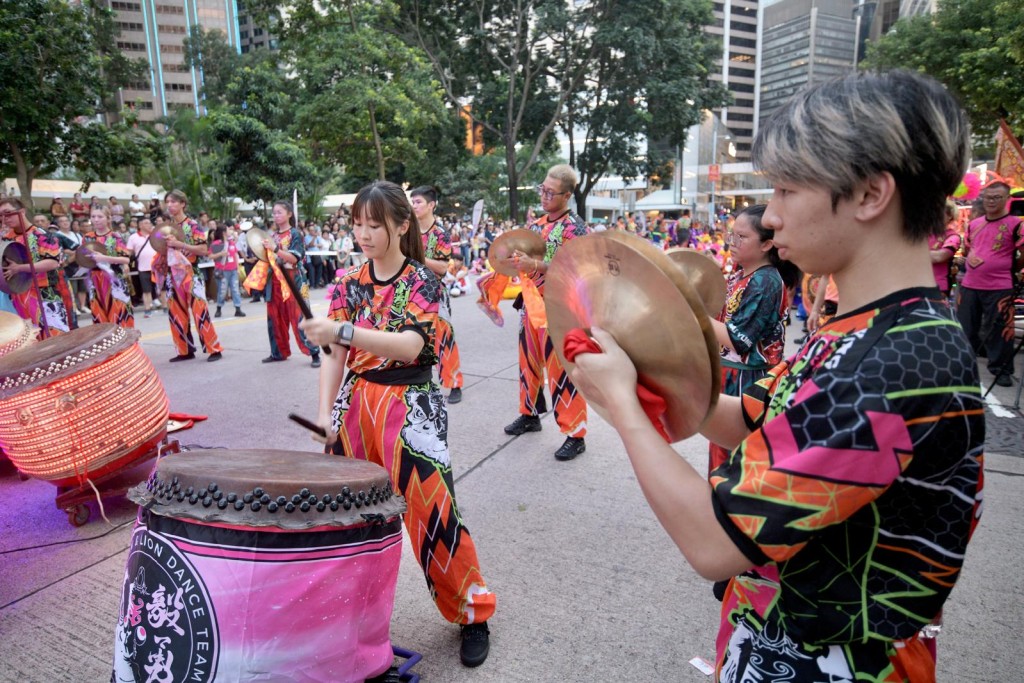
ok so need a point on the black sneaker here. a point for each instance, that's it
(179, 358)
(239, 313)
(215, 356)
(455, 395)
(216, 314)
(1004, 381)
(523, 424)
(476, 643)
(272, 359)
(316, 362)
(572, 447)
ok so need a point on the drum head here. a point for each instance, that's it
(15, 253)
(266, 488)
(50, 359)
(628, 287)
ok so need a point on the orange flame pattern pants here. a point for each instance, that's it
(448, 365)
(183, 301)
(537, 353)
(404, 429)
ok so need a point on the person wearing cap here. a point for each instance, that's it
(179, 274)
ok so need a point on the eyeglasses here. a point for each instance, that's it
(545, 193)
(734, 239)
(995, 198)
(8, 214)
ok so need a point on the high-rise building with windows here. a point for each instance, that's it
(155, 30)
(803, 42)
(736, 25)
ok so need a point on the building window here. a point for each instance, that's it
(178, 87)
(131, 47)
(169, 28)
(172, 48)
(244, 35)
(170, 9)
(176, 68)
(257, 31)
(126, 6)
(742, 42)
(137, 85)
(129, 26)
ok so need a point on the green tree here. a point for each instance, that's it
(366, 99)
(61, 70)
(216, 61)
(516, 61)
(648, 79)
(974, 47)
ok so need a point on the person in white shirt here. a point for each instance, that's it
(136, 208)
(140, 245)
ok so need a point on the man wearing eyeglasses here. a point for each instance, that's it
(558, 225)
(45, 252)
(993, 244)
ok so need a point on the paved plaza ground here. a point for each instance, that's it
(589, 586)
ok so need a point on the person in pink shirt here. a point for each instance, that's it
(943, 248)
(225, 257)
(993, 245)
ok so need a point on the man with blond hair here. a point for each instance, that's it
(558, 225)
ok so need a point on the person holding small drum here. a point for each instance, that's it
(40, 304)
(381, 327)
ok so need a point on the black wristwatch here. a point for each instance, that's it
(344, 332)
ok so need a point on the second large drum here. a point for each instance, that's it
(260, 566)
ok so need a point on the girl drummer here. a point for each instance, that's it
(381, 324)
(751, 325)
(109, 296)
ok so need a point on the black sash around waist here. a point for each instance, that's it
(409, 374)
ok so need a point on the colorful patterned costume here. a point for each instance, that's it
(179, 273)
(41, 246)
(110, 299)
(283, 312)
(754, 314)
(437, 246)
(393, 414)
(951, 241)
(536, 351)
(854, 496)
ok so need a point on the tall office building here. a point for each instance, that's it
(155, 30)
(736, 25)
(804, 42)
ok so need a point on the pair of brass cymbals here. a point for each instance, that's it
(160, 236)
(506, 244)
(634, 291)
(14, 253)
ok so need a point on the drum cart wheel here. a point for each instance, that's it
(78, 515)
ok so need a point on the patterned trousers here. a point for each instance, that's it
(184, 300)
(537, 353)
(448, 365)
(404, 429)
(281, 316)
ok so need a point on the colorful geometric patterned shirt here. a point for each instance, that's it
(854, 496)
(754, 311)
(408, 301)
(556, 233)
(41, 245)
(436, 244)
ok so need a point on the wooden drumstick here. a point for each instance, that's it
(303, 306)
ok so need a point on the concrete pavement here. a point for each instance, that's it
(589, 586)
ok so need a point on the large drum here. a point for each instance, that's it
(80, 405)
(260, 565)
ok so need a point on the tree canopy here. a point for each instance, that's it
(974, 47)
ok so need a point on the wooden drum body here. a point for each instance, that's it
(261, 565)
(80, 405)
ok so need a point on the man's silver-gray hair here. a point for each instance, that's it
(836, 134)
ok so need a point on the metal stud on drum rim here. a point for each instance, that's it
(628, 287)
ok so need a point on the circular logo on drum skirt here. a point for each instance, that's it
(166, 629)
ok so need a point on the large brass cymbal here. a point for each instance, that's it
(82, 257)
(14, 253)
(521, 239)
(254, 238)
(160, 236)
(704, 274)
(628, 287)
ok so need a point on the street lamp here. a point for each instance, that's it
(714, 162)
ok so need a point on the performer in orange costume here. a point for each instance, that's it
(109, 298)
(382, 321)
(437, 250)
(185, 283)
(536, 351)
